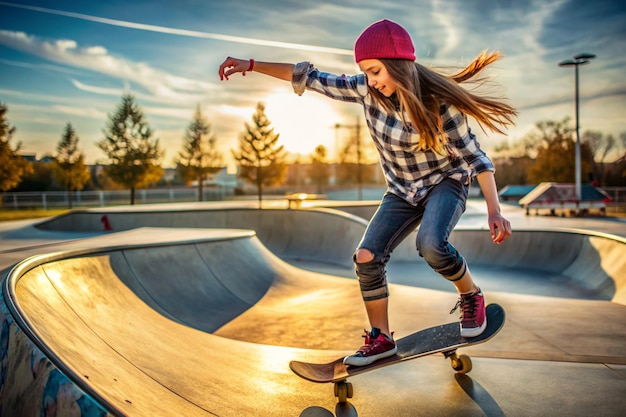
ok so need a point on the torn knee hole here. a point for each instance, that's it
(363, 256)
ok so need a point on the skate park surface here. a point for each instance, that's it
(196, 310)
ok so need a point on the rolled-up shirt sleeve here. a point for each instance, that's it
(298, 80)
(339, 87)
(475, 157)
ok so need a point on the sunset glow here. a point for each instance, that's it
(72, 61)
(303, 122)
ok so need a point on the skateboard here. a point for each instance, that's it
(445, 338)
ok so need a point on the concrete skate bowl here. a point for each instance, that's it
(322, 235)
(194, 321)
(555, 262)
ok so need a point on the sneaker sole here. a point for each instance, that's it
(366, 360)
(475, 331)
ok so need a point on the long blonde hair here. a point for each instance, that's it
(421, 92)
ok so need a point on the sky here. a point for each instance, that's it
(63, 61)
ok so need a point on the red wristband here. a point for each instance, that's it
(251, 65)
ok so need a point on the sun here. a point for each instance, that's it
(303, 122)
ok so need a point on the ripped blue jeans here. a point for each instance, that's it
(436, 215)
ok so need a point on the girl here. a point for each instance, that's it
(418, 121)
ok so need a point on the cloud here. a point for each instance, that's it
(170, 112)
(179, 98)
(535, 21)
(117, 92)
(50, 114)
(97, 59)
(451, 31)
(89, 112)
(183, 32)
(45, 67)
(36, 97)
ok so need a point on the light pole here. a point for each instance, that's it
(580, 59)
(359, 174)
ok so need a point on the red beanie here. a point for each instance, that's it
(384, 39)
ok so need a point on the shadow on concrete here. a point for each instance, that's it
(480, 396)
(341, 410)
(345, 410)
(316, 411)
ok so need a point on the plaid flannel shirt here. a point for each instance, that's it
(409, 172)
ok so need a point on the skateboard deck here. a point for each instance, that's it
(445, 338)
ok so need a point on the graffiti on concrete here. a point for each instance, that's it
(30, 385)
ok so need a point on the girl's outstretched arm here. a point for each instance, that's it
(278, 70)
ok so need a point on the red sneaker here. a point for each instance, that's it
(473, 313)
(377, 346)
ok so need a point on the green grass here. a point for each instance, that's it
(7, 215)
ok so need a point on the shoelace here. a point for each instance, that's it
(467, 304)
(368, 337)
(370, 343)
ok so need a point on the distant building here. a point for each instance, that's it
(558, 196)
(220, 179)
(514, 192)
(169, 175)
(31, 157)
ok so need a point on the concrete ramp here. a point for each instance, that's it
(203, 285)
(132, 325)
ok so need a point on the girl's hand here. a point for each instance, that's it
(500, 228)
(233, 65)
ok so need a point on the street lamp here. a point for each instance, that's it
(359, 174)
(580, 59)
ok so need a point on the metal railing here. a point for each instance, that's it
(61, 199)
(618, 197)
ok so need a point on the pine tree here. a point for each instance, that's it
(199, 157)
(134, 157)
(70, 169)
(261, 159)
(12, 166)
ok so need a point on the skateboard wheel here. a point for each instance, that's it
(343, 391)
(461, 363)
